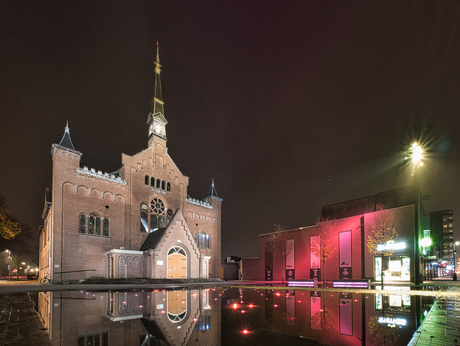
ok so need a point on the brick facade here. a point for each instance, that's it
(88, 197)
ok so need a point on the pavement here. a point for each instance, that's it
(441, 326)
(19, 322)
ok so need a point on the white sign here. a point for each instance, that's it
(159, 306)
(389, 320)
(391, 246)
(159, 263)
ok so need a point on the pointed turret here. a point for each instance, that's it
(156, 119)
(212, 191)
(66, 141)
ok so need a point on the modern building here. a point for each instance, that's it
(136, 222)
(346, 232)
(442, 231)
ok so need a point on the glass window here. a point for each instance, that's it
(98, 225)
(97, 340)
(106, 227)
(161, 221)
(168, 187)
(91, 224)
(105, 339)
(144, 222)
(163, 185)
(207, 241)
(147, 180)
(153, 222)
(158, 183)
(196, 238)
(82, 223)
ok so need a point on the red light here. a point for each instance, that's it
(235, 306)
(245, 331)
(251, 306)
(275, 306)
(242, 311)
(277, 294)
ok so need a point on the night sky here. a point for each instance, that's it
(289, 106)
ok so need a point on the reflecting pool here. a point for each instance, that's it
(231, 316)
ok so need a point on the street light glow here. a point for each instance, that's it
(415, 156)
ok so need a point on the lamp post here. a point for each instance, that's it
(415, 158)
(9, 263)
(454, 256)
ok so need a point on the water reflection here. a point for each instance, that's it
(232, 316)
(177, 317)
(328, 318)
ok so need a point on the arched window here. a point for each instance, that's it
(207, 241)
(153, 217)
(196, 239)
(163, 185)
(168, 187)
(158, 183)
(91, 224)
(144, 227)
(202, 240)
(147, 180)
(169, 214)
(152, 182)
(98, 225)
(106, 227)
(82, 223)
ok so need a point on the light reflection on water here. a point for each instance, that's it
(231, 316)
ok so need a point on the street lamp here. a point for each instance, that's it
(415, 156)
(455, 254)
(9, 264)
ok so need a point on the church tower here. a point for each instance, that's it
(156, 119)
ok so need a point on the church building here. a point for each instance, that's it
(136, 222)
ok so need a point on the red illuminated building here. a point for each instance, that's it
(290, 252)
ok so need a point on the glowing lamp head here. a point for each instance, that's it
(245, 331)
(417, 152)
(425, 242)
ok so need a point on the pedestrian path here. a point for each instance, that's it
(441, 326)
(19, 324)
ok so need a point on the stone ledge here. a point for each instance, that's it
(137, 281)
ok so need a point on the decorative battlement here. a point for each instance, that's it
(99, 174)
(198, 202)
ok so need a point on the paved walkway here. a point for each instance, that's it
(441, 326)
(19, 324)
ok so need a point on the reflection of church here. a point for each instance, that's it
(177, 317)
(136, 222)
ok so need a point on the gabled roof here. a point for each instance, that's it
(152, 239)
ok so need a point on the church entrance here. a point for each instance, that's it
(177, 305)
(177, 263)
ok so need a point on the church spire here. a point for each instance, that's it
(156, 119)
(157, 101)
(66, 141)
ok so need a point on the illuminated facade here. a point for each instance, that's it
(136, 222)
(291, 253)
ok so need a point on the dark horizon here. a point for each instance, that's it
(287, 108)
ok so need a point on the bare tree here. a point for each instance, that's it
(325, 247)
(380, 233)
(16, 262)
(281, 249)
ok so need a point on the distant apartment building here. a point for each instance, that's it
(442, 234)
